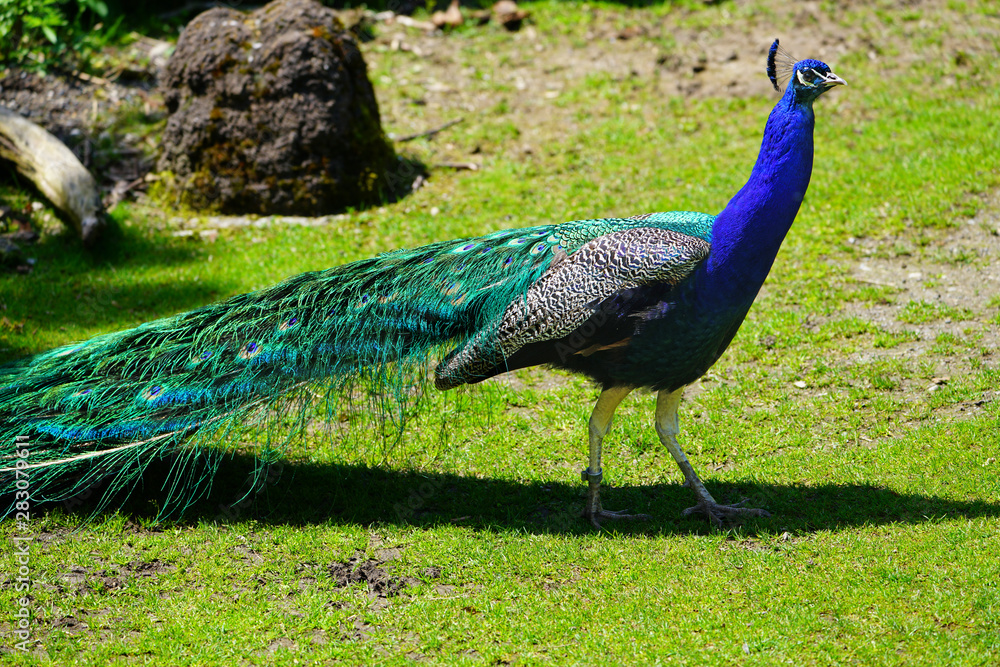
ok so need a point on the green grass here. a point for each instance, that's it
(917, 312)
(884, 543)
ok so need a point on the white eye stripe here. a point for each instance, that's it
(815, 75)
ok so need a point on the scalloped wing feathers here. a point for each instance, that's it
(573, 289)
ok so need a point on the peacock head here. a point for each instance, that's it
(808, 78)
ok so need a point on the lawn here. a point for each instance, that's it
(859, 404)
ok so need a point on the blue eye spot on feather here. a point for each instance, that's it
(517, 241)
(538, 249)
(250, 350)
(288, 324)
(197, 358)
(152, 392)
(508, 261)
(466, 248)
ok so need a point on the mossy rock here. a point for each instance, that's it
(272, 112)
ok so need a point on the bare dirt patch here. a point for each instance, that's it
(682, 59)
(965, 284)
(80, 580)
(372, 572)
(944, 293)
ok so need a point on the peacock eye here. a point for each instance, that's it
(807, 77)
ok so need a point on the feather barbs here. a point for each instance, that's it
(450, 288)
(780, 65)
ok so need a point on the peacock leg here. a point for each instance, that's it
(600, 424)
(667, 427)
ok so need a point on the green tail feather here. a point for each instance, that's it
(105, 408)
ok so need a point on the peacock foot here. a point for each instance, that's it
(595, 517)
(718, 514)
(593, 511)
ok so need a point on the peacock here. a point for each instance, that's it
(648, 301)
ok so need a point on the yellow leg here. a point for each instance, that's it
(600, 424)
(667, 427)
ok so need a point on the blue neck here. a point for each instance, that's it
(747, 234)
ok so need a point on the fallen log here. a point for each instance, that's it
(55, 171)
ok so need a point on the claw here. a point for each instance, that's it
(716, 513)
(613, 515)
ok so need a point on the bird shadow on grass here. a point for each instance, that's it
(303, 493)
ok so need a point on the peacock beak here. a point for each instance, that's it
(831, 80)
